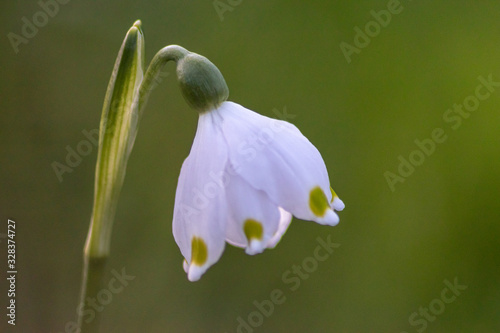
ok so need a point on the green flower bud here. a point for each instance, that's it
(202, 84)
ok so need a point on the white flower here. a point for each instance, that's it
(245, 177)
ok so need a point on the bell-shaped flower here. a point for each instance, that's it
(245, 177)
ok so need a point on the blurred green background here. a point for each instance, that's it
(397, 247)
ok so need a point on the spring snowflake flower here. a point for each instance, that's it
(244, 178)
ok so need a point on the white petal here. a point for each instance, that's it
(335, 201)
(253, 219)
(330, 218)
(338, 204)
(285, 220)
(200, 211)
(273, 156)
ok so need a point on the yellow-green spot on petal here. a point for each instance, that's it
(199, 252)
(253, 229)
(334, 195)
(318, 202)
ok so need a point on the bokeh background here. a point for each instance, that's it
(396, 247)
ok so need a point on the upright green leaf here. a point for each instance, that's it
(116, 137)
(117, 133)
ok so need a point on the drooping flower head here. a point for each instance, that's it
(245, 176)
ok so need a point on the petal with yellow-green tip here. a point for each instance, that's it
(275, 157)
(318, 203)
(335, 202)
(253, 217)
(200, 211)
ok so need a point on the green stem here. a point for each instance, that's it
(166, 54)
(93, 282)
